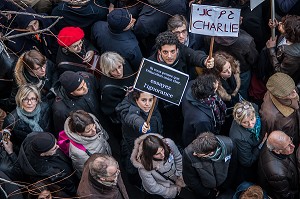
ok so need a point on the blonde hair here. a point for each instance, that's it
(240, 111)
(109, 61)
(24, 91)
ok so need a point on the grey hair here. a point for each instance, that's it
(98, 167)
(109, 61)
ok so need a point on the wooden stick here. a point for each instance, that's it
(151, 110)
(211, 47)
(273, 18)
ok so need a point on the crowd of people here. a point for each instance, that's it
(73, 126)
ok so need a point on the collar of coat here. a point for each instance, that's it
(284, 110)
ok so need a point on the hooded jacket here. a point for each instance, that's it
(45, 43)
(37, 167)
(152, 181)
(95, 144)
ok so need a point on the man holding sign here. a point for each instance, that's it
(172, 53)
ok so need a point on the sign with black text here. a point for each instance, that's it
(162, 81)
(214, 20)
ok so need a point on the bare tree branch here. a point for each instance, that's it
(27, 13)
(5, 37)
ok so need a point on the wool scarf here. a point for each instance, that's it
(32, 118)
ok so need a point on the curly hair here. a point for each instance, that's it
(204, 86)
(291, 25)
(166, 38)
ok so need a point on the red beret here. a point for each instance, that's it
(69, 35)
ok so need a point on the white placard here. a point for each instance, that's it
(214, 20)
(255, 3)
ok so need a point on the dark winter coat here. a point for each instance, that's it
(83, 17)
(273, 118)
(245, 142)
(242, 48)
(151, 21)
(278, 174)
(9, 188)
(124, 43)
(113, 91)
(204, 175)
(286, 59)
(64, 103)
(6, 74)
(46, 43)
(187, 60)
(64, 56)
(89, 188)
(196, 120)
(54, 168)
(132, 118)
(20, 129)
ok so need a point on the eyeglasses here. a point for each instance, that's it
(27, 100)
(243, 108)
(177, 33)
(40, 68)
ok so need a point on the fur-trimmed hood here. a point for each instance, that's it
(138, 150)
(85, 140)
(225, 96)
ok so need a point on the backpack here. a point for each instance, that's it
(64, 144)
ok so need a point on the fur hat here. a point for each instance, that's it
(118, 20)
(280, 85)
(69, 35)
(70, 81)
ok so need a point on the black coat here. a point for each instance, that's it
(114, 90)
(20, 129)
(83, 17)
(124, 43)
(36, 167)
(67, 56)
(133, 118)
(187, 60)
(151, 21)
(201, 174)
(196, 119)
(46, 44)
(278, 174)
(64, 104)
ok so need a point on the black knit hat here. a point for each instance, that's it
(118, 20)
(70, 81)
(43, 142)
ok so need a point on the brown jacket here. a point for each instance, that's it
(89, 188)
(278, 117)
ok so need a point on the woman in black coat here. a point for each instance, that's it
(246, 134)
(30, 115)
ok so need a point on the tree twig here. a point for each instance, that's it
(31, 33)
